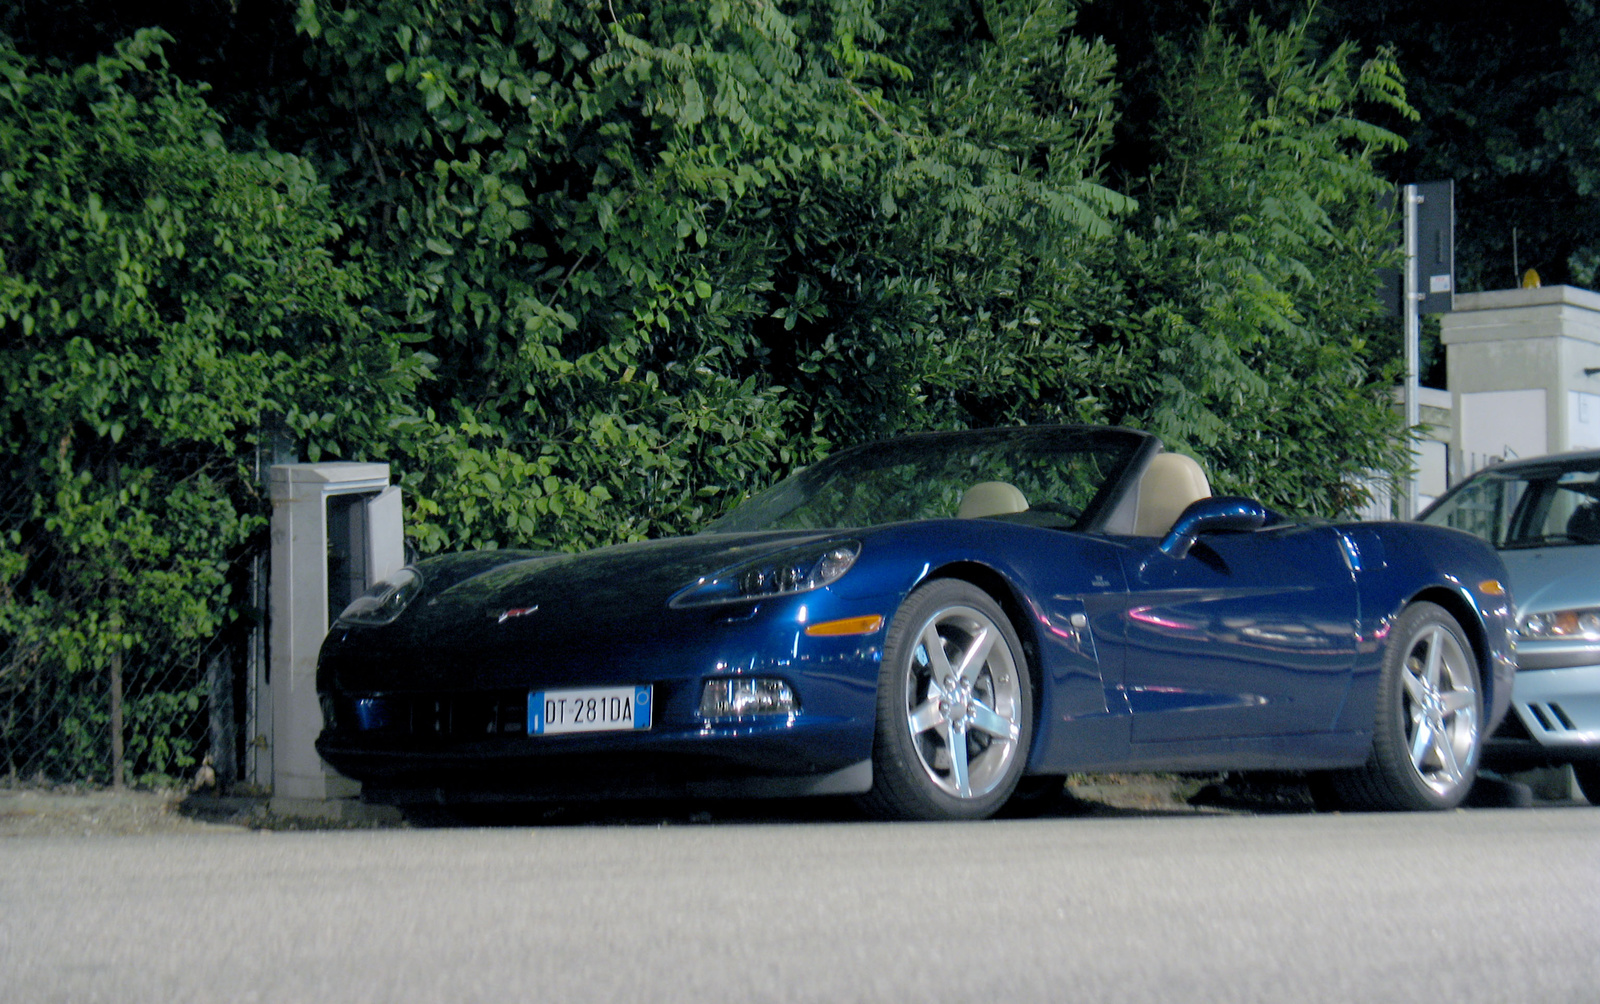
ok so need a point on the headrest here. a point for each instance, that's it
(991, 498)
(1166, 489)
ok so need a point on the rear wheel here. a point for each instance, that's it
(1588, 775)
(1426, 730)
(955, 710)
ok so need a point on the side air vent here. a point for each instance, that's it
(1551, 717)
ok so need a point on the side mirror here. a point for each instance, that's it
(1219, 514)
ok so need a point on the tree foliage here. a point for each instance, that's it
(588, 270)
(1263, 190)
(159, 292)
(1507, 105)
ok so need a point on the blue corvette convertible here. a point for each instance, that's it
(936, 624)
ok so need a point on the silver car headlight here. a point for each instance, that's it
(1581, 623)
(384, 602)
(797, 570)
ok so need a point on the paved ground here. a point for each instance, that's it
(1130, 907)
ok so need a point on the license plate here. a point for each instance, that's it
(596, 709)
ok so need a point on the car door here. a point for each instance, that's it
(1249, 634)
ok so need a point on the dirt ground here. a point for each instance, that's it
(59, 813)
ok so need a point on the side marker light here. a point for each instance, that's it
(846, 626)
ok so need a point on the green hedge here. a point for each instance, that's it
(592, 271)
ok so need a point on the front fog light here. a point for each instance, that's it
(760, 695)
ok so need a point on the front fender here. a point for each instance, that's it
(1398, 564)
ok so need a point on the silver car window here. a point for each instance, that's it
(1544, 506)
(1482, 507)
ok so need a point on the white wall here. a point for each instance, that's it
(1516, 360)
(1502, 423)
(1583, 420)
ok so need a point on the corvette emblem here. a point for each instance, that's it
(516, 612)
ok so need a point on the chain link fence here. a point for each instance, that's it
(128, 632)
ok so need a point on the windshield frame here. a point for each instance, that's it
(1128, 450)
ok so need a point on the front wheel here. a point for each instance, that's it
(1427, 726)
(955, 708)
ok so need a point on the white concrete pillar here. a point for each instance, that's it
(1516, 360)
(300, 601)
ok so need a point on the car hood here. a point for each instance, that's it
(493, 615)
(1553, 578)
(625, 579)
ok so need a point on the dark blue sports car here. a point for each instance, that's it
(936, 624)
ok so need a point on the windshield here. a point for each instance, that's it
(1554, 505)
(1059, 471)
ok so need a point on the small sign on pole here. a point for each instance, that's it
(1435, 250)
(1436, 246)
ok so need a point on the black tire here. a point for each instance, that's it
(924, 698)
(1427, 729)
(1588, 775)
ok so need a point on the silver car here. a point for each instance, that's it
(1543, 515)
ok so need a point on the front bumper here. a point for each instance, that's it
(746, 758)
(1555, 708)
(440, 719)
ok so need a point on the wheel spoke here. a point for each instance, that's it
(925, 716)
(994, 723)
(934, 645)
(1421, 743)
(1456, 700)
(1416, 687)
(1449, 766)
(1435, 657)
(977, 655)
(958, 761)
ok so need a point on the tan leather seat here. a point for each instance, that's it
(1168, 486)
(991, 498)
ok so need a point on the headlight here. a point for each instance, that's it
(1582, 623)
(383, 602)
(797, 570)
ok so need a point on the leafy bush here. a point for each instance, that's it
(588, 272)
(159, 292)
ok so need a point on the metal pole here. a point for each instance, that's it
(1410, 306)
(117, 764)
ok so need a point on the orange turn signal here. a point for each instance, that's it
(847, 626)
(1492, 587)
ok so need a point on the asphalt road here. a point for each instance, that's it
(1488, 905)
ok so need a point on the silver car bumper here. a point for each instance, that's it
(1556, 703)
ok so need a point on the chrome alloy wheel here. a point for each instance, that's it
(1440, 708)
(963, 702)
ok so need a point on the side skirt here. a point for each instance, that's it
(1315, 751)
